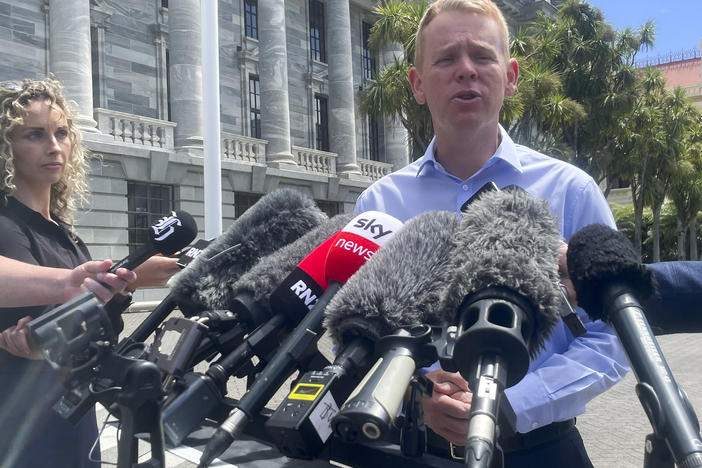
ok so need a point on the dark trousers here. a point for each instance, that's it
(568, 451)
(32, 435)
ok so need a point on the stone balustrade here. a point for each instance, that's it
(693, 90)
(374, 169)
(243, 149)
(135, 129)
(315, 161)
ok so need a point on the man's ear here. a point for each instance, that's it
(512, 76)
(415, 80)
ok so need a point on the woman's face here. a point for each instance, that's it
(41, 146)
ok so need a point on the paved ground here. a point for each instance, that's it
(614, 426)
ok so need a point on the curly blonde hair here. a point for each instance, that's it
(15, 97)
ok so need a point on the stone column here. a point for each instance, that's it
(342, 115)
(100, 14)
(185, 71)
(70, 61)
(396, 137)
(160, 31)
(273, 79)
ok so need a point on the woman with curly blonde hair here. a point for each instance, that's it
(13, 108)
(42, 263)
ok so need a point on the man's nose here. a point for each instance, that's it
(466, 68)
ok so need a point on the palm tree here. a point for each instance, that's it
(678, 118)
(390, 94)
(686, 190)
(638, 141)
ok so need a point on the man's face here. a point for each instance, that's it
(464, 75)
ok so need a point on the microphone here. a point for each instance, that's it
(266, 288)
(351, 247)
(67, 329)
(169, 235)
(505, 291)
(609, 280)
(203, 393)
(400, 287)
(277, 219)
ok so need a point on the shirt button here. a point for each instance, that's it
(534, 425)
(465, 187)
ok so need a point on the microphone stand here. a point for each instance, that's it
(489, 348)
(676, 437)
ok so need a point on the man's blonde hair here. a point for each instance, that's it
(15, 98)
(483, 7)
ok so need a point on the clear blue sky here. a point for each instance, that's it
(678, 22)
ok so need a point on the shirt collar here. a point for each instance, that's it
(507, 152)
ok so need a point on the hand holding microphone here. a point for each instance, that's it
(69, 328)
(447, 410)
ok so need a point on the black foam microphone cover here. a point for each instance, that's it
(599, 255)
(277, 219)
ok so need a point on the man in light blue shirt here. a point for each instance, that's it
(463, 72)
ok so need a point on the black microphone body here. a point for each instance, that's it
(609, 280)
(503, 301)
(296, 426)
(297, 345)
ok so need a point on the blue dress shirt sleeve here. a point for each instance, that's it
(570, 372)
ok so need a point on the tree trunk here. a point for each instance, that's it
(693, 239)
(657, 233)
(638, 219)
(681, 239)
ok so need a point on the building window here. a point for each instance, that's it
(321, 122)
(317, 31)
(373, 139)
(254, 106)
(330, 208)
(251, 18)
(146, 204)
(164, 3)
(367, 58)
(243, 201)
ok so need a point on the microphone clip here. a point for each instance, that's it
(413, 432)
(569, 316)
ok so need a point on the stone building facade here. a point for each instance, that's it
(290, 76)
